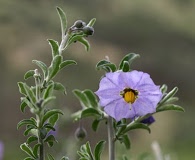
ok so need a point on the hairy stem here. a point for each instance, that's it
(111, 145)
(64, 41)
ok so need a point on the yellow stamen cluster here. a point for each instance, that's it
(129, 95)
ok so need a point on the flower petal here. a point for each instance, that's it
(119, 109)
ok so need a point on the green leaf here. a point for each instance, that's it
(171, 100)
(67, 63)
(47, 100)
(82, 98)
(128, 58)
(85, 42)
(50, 157)
(163, 88)
(26, 122)
(36, 149)
(53, 119)
(42, 66)
(92, 98)
(125, 140)
(88, 149)
(106, 65)
(172, 107)
(125, 66)
(54, 67)
(95, 124)
(29, 129)
(90, 112)
(31, 139)
(168, 96)
(29, 74)
(91, 22)
(50, 113)
(54, 46)
(76, 115)
(28, 103)
(30, 93)
(21, 88)
(63, 20)
(27, 149)
(48, 91)
(50, 140)
(59, 87)
(23, 105)
(49, 126)
(75, 37)
(136, 125)
(98, 149)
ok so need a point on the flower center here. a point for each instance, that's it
(129, 95)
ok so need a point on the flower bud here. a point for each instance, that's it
(79, 24)
(148, 121)
(80, 133)
(88, 30)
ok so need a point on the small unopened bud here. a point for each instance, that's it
(80, 133)
(79, 24)
(88, 30)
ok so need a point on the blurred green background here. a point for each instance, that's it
(162, 32)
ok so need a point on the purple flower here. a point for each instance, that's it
(128, 94)
(1, 150)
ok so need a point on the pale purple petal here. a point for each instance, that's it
(119, 109)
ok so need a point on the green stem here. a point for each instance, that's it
(39, 115)
(111, 145)
(41, 149)
(64, 41)
(40, 140)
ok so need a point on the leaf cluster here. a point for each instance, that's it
(37, 97)
(86, 153)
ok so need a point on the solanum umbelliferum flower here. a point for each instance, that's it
(128, 94)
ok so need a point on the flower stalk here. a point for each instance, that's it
(111, 142)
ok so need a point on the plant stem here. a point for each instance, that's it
(64, 42)
(111, 145)
(40, 140)
(39, 115)
(41, 149)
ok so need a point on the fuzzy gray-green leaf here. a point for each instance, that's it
(63, 20)
(54, 46)
(129, 58)
(67, 63)
(29, 74)
(54, 67)
(98, 150)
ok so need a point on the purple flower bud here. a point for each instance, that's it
(148, 120)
